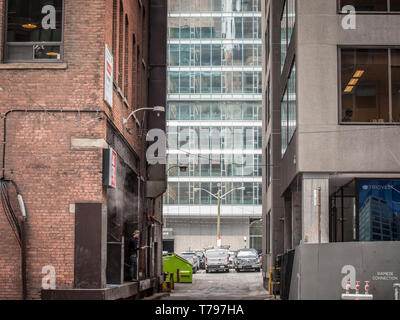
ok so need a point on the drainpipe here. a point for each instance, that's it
(23, 246)
(23, 260)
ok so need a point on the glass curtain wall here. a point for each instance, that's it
(214, 109)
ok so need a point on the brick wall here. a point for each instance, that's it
(39, 158)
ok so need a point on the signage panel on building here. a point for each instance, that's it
(110, 168)
(108, 77)
(379, 210)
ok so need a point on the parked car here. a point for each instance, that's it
(217, 260)
(247, 259)
(192, 258)
(232, 257)
(202, 259)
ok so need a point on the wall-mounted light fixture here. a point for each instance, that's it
(157, 109)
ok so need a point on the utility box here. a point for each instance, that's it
(172, 263)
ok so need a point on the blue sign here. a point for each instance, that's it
(379, 210)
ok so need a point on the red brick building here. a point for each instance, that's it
(56, 130)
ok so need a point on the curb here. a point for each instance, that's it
(157, 296)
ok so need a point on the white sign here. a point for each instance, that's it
(385, 276)
(316, 199)
(108, 77)
(113, 168)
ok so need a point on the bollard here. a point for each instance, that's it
(165, 287)
(396, 287)
(348, 287)
(358, 287)
(367, 287)
(171, 281)
(357, 295)
(270, 282)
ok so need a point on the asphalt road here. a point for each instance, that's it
(221, 286)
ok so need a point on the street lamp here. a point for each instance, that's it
(218, 196)
(157, 109)
(182, 168)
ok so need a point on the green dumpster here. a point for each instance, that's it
(173, 262)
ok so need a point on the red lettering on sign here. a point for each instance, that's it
(114, 170)
(108, 68)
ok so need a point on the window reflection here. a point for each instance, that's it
(214, 110)
(183, 193)
(248, 27)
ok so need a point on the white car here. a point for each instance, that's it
(217, 260)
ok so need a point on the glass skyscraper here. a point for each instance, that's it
(214, 122)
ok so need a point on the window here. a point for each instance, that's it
(255, 232)
(288, 20)
(284, 125)
(378, 210)
(120, 43)
(114, 34)
(126, 48)
(367, 78)
(269, 164)
(33, 31)
(283, 36)
(292, 121)
(268, 233)
(268, 102)
(372, 5)
(133, 57)
(288, 110)
(395, 70)
(267, 41)
(238, 27)
(291, 19)
(183, 193)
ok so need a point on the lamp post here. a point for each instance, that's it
(157, 109)
(182, 168)
(218, 196)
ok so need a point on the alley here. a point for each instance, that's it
(221, 286)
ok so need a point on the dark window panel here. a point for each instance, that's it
(365, 85)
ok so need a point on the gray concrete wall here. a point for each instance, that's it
(321, 271)
(193, 234)
(272, 197)
(325, 146)
(296, 219)
(315, 230)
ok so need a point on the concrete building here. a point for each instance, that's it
(70, 72)
(214, 123)
(330, 128)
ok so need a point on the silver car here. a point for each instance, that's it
(192, 258)
(217, 260)
(247, 259)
